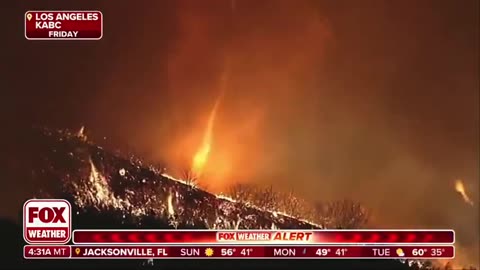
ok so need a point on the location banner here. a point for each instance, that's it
(251, 252)
(263, 236)
(63, 25)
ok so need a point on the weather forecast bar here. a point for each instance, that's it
(263, 237)
(252, 252)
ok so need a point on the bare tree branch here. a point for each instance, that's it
(344, 214)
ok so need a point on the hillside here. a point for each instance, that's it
(111, 191)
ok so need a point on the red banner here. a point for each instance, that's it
(263, 236)
(63, 25)
(47, 252)
(251, 252)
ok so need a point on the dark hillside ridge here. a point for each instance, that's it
(110, 191)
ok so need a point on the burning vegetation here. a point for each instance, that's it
(95, 179)
(124, 192)
(343, 214)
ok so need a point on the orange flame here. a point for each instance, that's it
(201, 156)
(460, 188)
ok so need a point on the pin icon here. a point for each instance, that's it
(29, 16)
(77, 251)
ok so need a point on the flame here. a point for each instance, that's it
(170, 209)
(460, 188)
(201, 156)
(99, 193)
(102, 193)
(81, 133)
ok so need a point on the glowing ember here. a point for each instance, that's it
(460, 188)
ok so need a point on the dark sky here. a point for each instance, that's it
(371, 100)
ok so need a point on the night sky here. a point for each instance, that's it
(377, 101)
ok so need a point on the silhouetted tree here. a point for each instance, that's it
(344, 214)
(242, 192)
(292, 205)
(267, 199)
(190, 178)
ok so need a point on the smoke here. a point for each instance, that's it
(267, 59)
(365, 102)
(331, 109)
(368, 100)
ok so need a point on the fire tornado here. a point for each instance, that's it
(201, 156)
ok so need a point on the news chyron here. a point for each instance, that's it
(64, 25)
(47, 221)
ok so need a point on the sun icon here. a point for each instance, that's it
(209, 252)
